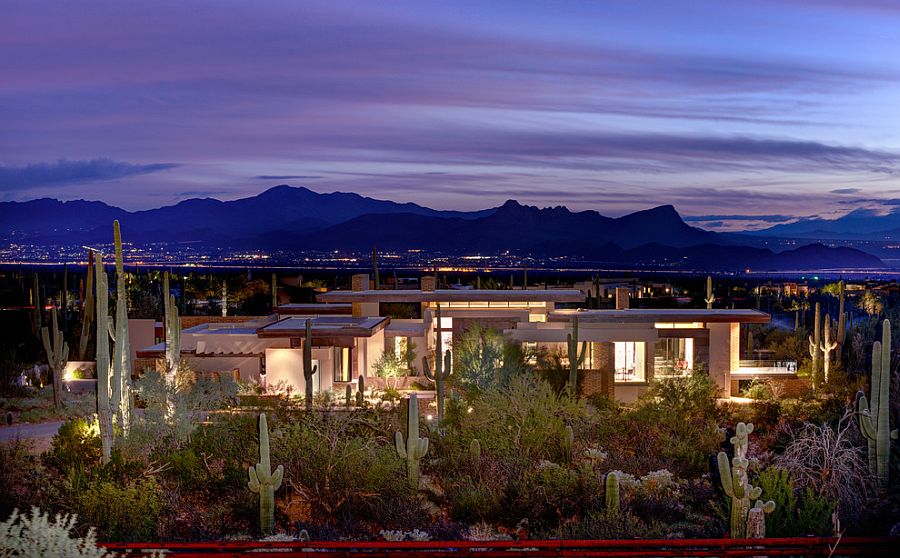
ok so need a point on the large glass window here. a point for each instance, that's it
(629, 361)
(342, 364)
(673, 356)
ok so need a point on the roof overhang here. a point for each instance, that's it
(647, 315)
(324, 327)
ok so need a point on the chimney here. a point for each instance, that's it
(427, 283)
(622, 294)
(359, 282)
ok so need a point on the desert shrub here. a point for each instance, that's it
(76, 444)
(484, 359)
(797, 512)
(341, 468)
(121, 512)
(472, 501)
(601, 524)
(826, 460)
(20, 478)
(550, 492)
(39, 535)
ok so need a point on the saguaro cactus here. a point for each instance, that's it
(575, 359)
(375, 267)
(57, 355)
(308, 369)
(361, 391)
(87, 313)
(274, 293)
(827, 346)
(104, 414)
(756, 519)
(841, 324)
(875, 422)
(612, 493)
(814, 347)
(264, 482)
(172, 334)
(415, 447)
(709, 293)
(38, 306)
(443, 363)
(121, 388)
(736, 484)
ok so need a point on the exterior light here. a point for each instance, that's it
(429, 417)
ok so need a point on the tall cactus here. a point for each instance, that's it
(575, 359)
(361, 391)
(87, 313)
(264, 482)
(308, 369)
(104, 414)
(842, 323)
(375, 267)
(415, 447)
(57, 355)
(172, 332)
(224, 299)
(612, 493)
(38, 312)
(736, 484)
(274, 293)
(815, 345)
(121, 388)
(442, 366)
(875, 422)
(709, 293)
(827, 346)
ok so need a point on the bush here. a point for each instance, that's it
(122, 513)
(76, 444)
(342, 469)
(38, 535)
(20, 478)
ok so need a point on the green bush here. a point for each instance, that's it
(795, 515)
(122, 513)
(76, 444)
(341, 468)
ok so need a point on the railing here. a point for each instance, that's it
(800, 546)
(767, 367)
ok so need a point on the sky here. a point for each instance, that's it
(740, 114)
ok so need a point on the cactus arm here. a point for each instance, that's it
(400, 444)
(253, 483)
(725, 474)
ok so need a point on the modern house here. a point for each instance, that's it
(626, 347)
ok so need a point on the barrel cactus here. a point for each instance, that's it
(264, 482)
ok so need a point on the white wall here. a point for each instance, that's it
(724, 346)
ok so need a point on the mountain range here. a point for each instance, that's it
(861, 224)
(291, 218)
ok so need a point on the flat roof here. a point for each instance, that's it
(645, 315)
(325, 326)
(454, 295)
(295, 309)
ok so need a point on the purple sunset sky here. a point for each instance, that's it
(741, 114)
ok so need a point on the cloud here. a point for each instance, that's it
(766, 218)
(286, 177)
(845, 191)
(65, 171)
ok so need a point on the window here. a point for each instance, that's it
(673, 356)
(342, 364)
(629, 361)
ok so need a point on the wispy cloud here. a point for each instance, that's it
(65, 171)
(286, 177)
(766, 218)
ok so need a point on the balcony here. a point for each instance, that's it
(765, 368)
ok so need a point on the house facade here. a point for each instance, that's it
(351, 330)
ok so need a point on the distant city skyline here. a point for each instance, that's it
(741, 115)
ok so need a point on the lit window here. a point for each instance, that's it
(629, 362)
(673, 356)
